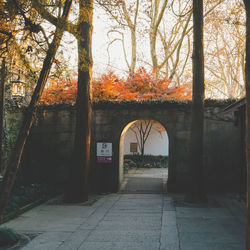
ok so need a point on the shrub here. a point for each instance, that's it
(153, 161)
(8, 236)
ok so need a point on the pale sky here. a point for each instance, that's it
(101, 26)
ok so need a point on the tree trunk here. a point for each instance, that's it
(155, 22)
(132, 26)
(247, 75)
(77, 188)
(196, 184)
(153, 51)
(2, 84)
(133, 51)
(142, 150)
(12, 168)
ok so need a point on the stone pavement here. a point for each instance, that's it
(136, 218)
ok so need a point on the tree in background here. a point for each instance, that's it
(125, 16)
(15, 158)
(247, 70)
(155, 14)
(144, 20)
(142, 130)
(24, 39)
(225, 51)
(81, 29)
(24, 42)
(170, 28)
(196, 184)
(166, 26)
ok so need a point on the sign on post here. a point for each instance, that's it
(104, 152)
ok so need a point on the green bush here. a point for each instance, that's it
(24, 195)
(8, 236)
(151, 161)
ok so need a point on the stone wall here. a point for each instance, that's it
(48, 149)
(110, 121)
(221, 139)
(51, 141)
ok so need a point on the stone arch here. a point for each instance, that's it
(121, 144)
(109, 123)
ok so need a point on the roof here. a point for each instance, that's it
(235, 105)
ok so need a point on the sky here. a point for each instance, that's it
(101, 60)
(100, 44)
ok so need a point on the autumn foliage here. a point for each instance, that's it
(60, 91)
(138, 86)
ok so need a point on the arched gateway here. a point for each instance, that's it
(223, 144)
(146, 135)
(110, 120)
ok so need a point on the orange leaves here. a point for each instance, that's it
(138, 86)
(60, 91)
(104, 87)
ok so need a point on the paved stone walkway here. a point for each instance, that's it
(135, 219)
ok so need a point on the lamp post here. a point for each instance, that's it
(17, 88)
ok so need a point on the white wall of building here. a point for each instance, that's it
(156, 144)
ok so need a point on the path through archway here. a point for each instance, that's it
(143, 167)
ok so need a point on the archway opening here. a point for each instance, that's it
(144, 151)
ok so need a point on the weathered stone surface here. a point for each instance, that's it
(54, 133)
(137, 222)
(47, 241)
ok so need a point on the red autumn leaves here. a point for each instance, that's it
(139, 86)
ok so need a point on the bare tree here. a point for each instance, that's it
(156, 14)
(225, 51)
(176, 39)
(166, 25)
(142, 130)
(125, 15)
